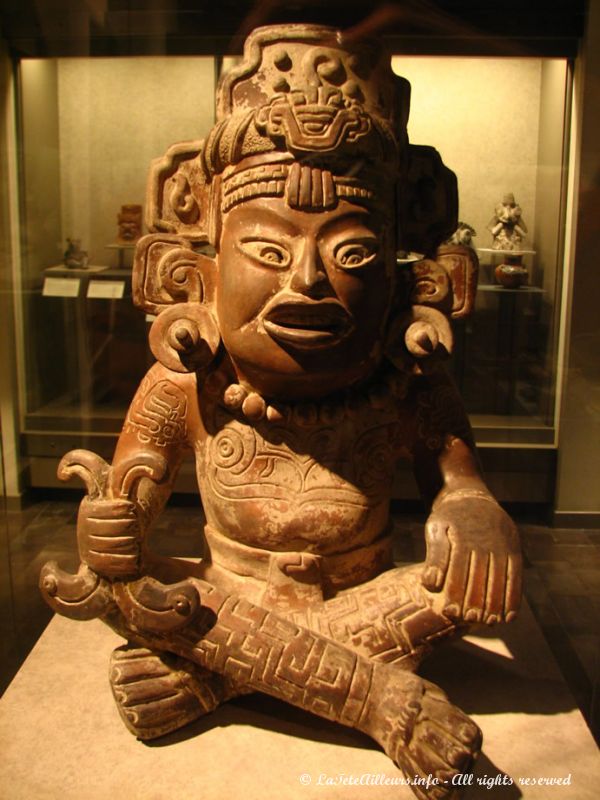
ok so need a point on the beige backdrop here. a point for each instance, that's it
(115, 116)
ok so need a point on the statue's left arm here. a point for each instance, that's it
(473, 552)
(125, 497)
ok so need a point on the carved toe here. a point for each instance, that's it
(157, 693)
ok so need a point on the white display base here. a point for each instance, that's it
(61, 736)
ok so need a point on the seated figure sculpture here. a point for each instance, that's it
(507, 225)
(299, 360)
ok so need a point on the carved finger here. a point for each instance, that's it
(438, 556)
(113, 565)
(475, 594)
(456, 582)
(132, 665)
(107, 510)
(117, 545)
(441, 742)
(428, 763)
(126, 474)
(108, 534)
(494, 604)
(463, 730)
(162, 711)
(514, 587)
(90, 467)
(148, 689)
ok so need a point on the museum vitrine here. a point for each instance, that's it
(502, 125)
(88, 129)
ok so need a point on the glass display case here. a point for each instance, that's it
(93, 92)
(501, 125)
(89, 128)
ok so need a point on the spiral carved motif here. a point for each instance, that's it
(431, 283)
(232, 451)
(375, 456)
(178, 269)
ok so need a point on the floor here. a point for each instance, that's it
(562, 583)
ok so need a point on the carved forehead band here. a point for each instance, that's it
(303, 186)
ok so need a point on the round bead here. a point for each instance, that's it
(234, 395)
(254, 407)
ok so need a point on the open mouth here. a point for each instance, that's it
(307, 323)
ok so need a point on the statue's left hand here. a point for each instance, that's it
(110, 529)
(473, 558)
(110, 537)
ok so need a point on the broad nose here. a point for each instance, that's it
(308, 273)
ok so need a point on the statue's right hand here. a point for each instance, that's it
(110, 537)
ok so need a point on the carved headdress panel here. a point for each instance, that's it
(306, 90)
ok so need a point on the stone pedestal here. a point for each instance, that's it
(61, 736)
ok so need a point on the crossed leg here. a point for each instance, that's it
(248, 648)
(390, 619)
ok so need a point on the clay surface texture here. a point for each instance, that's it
(299, 364)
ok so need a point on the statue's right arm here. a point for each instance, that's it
(114, 520)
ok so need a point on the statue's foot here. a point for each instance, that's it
(428, 738)
(157, 693)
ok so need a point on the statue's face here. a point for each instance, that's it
(302, 296)
(128, 230)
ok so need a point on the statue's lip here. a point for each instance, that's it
(307, 323)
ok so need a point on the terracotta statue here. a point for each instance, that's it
(298, 364)
(129, 220)
(74, 257)
(507, 226)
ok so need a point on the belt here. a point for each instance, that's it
(330, 573)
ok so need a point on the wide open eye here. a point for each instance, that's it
(268, 253)
(353, 255)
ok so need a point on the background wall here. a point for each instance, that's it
(500, 125)
(90, 129)
(483, 117)
(114, 117)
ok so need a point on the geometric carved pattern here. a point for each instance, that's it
(242, 464)
(157, 414)
(293, 463)
(439, 412)
(268, 653)
(388, 620)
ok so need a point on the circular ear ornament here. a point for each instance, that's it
(428, 332)
(184, 337)
(419, 334)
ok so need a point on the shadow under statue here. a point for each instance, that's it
(299, 363)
